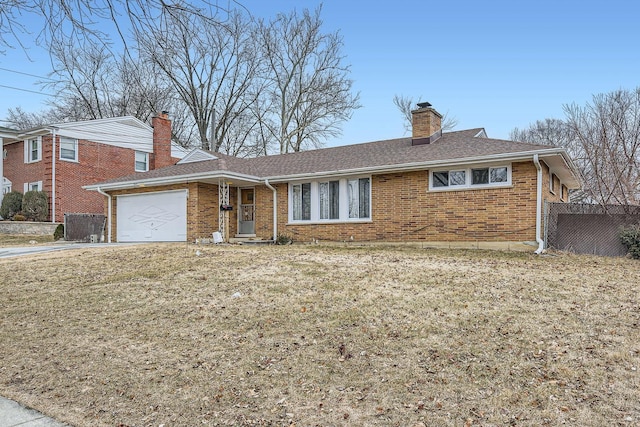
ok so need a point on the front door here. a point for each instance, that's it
(247, 212)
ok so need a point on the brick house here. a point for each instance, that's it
(62, 158)
(455, 189)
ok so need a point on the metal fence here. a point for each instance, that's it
(587, 228)
(83, 227)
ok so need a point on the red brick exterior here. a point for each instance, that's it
(161, 156)
(96, 163)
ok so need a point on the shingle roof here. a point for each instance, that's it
(385, 154)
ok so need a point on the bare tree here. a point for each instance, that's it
(212, 69)
(406, 104)
(308, 95)
(607, 134)
(603, 139)
(19, 119)
(85, 22)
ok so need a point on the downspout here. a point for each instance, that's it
(53, 177)
(539, 240)
(275, 209)
(108, 213)
(1, 169)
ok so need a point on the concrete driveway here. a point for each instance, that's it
(10, 252)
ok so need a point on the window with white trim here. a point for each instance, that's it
(470, 178)
(142, 161)
(33, 186)
(33, 150)
(359, 196)
(338, 200)
(68, 149)
(329, 195)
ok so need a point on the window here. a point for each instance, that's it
(470, 178)
(302, 202)
(358, 198)
(330, 201)
(449, 178)
(142, 161)
(69, 149)
(553, 180)
(33, 186)
(32, 150)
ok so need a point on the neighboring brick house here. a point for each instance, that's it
(455, 188)
(62, 158)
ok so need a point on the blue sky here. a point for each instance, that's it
(491, 64)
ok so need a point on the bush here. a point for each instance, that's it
(630, 237)
(11, 204)
(283, 239)
(35, 205)
(59, 233)
(19, 217)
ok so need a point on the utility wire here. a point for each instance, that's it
(27, 74)
(27, 90)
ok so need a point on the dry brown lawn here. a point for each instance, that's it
(156, 335)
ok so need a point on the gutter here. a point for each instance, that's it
(275, 209)
(536, 161)
(108, 213)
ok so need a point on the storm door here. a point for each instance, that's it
(247, 224)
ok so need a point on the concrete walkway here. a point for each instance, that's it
(31, 250)
(12, 414)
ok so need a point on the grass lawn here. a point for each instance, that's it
(24, 240)
(155, 335)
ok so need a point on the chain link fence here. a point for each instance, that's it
(588, 229)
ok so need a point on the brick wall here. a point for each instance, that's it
(404, 210)
(96, 162)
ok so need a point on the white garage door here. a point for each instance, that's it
(152, 217)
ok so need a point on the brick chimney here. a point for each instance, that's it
(161, 141)
(426, 123)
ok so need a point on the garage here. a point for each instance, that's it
(152, 217)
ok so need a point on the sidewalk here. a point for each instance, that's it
(12, 414)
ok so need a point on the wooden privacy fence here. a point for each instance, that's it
(587, 228)
(83, 227)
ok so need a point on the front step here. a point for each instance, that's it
(249, 241)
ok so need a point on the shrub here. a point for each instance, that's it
(19, 217)
(630, 237)
(11, 204)
(283, 239)
(35, 205)
(59, 233)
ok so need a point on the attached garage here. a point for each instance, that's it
(152, 217)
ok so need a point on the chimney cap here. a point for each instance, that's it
(424, 104)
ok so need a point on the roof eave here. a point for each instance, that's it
(179, 179)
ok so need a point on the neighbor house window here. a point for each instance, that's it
(330, 201)
(142, 161)
(69, 149)
(33, 186)
(33, 150)
(470, 178)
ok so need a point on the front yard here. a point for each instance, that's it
(155, 335)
